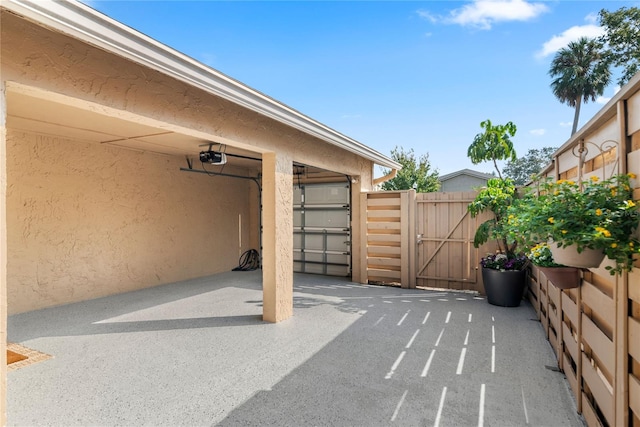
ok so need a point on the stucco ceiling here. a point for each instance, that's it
(53, 118)
(49, 117)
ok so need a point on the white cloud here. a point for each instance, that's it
(537, 132)
(592, 18)
(483, 14)
(557, 42)
(426, 15)
(565, 124)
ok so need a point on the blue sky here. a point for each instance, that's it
(417, 74)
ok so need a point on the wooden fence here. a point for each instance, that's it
(423, 240)
(596, 342)
(594, 329)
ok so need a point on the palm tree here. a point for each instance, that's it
(580, 71)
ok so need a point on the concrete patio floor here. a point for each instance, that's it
(197, 353)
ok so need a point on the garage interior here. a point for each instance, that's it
(47, 131)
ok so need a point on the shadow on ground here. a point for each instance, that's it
(198, 353)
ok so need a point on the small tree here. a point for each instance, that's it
(523, 168)
(493, 144)
(414, 174)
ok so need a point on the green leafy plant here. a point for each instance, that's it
(492, 145)
(597, 214)
(496, 197)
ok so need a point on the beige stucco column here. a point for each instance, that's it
(3, 255)
(357, 242)
(277, 245)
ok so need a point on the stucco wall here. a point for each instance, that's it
(86, 220)
(119, 204)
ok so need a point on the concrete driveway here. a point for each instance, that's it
(197, 353)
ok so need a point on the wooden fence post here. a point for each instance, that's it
(364, 277)
(412, 238)
(404, 239)
(621, 343)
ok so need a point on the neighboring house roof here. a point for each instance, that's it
(82, 22)
(468, 172)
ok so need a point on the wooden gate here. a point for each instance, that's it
(445, 254)
(423, 239)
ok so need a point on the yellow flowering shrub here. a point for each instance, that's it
(599, 214)
(541, 256)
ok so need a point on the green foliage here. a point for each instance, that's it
(622, 32)
(600, 215)
(484, 232)
(541, 256)
(523, 169)
(416, 174)
(496, 197)
(579, 72)
(493, 144)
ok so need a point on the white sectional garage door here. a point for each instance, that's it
(321, 229)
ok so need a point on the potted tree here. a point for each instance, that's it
(503, 273)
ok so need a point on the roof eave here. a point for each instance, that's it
(84, 23)
(468, 172)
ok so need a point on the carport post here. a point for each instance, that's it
(3, 255)
(277, 245)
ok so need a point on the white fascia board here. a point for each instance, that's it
(84, 23)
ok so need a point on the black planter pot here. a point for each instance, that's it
(504, 288)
